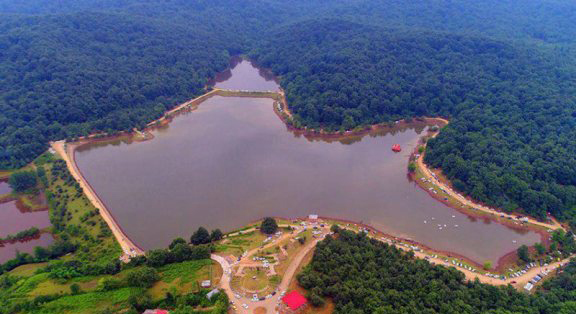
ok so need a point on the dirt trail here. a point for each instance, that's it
(66, 151)
(470, 275)
(429, 175)
(519, 281)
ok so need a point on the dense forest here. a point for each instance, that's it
(512, 109)
(502, 71)
(363, 275)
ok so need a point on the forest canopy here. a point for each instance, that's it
(512, 109)
(364, 275)
(502, 71)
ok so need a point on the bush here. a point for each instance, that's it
(175, 242)
(75, 289)
(108, 283)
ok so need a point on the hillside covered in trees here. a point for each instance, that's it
(512, 109)
(363, 275)
(502, 71)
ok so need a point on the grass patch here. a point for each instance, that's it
(186, 271)
(255, 280)
(184, 277)
(53, 287)
(238, 244)
(24, 286)
(91, 302)
(26, 270)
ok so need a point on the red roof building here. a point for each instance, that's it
(294, 301)
(156, 311)
(396, 148)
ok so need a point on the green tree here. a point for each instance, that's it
(201, 236)
(540, 248)
(175, 242)
(487, 265)
(335, 228)
(144, 277)
(216, 235)
(21, 181)
(75, 289)
(524, 254)
(269, 226)
(157, 258)
(412, 167)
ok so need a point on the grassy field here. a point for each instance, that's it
(255, 280)
(177, 278)
(94, 302)
(292, 248)
(238, 244)
(185, 277)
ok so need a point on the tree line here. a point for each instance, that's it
(364, 275)
(75, 67)
(512, 108)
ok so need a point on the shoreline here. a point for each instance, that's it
(283, 113)
(422, 251)
(467, 201)
(67, 152)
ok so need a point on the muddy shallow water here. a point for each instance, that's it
(5, 188)
(14, 218)
(8, 250)
(233, 161)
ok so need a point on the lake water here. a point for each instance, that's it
(5, 188)
(232, 161)
(8, 251)
(14, 219)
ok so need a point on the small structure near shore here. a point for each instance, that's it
(206, 284)
(396, 148)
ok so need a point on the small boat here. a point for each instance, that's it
(396, 148)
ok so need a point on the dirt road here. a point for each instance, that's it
(129, 248)
(270, 304)
(519, 281)
(428, 174)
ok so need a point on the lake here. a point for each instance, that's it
(14, 218)
(233, 161)
(8, 251)
(4, 188)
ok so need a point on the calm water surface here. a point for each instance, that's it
(5, 188)
(14, 219)
(8, 251)
(233, 161)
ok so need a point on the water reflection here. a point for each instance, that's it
(232, 161)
